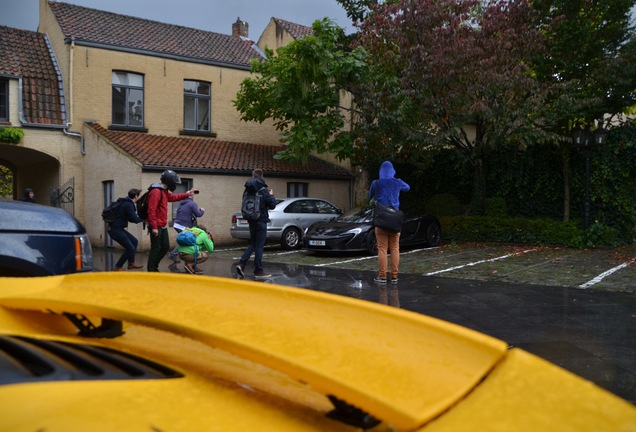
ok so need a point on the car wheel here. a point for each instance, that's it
(372, 243)
(433, 235)
(291, 239)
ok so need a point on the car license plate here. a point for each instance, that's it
(316, 242)
(243, 222)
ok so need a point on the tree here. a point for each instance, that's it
(591, 55)
(300, 89)
(462, 73)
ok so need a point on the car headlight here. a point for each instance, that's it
(354, 231)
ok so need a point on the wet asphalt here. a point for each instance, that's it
(589, 332)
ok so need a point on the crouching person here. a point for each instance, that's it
(195, 245)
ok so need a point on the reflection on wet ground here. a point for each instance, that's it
(591, 333)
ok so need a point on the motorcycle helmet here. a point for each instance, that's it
(170, 179)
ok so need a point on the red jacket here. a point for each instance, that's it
(158, 199)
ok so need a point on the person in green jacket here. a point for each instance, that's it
(193, 255)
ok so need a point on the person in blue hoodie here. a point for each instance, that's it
(258, 228)
(117, 230)
(386, 190)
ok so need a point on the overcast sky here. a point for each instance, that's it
(210, 15)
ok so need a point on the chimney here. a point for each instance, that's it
(240, 28)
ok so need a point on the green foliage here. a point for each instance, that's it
(11, 135)
(496, 207)
(6, 183)
(299, 88)
(546, 232)
(444, 204)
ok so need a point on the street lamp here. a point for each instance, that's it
(584, 139)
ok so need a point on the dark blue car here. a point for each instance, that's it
(37, 240)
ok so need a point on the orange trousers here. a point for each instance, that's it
(388, 241)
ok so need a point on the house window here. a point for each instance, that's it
(297, 190)
(196, 106)
(128, 99)
(4, 100)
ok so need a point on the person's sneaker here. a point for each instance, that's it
(239, 270)
(262, 275)
(394, 280)
(379, 280)
(134, 266)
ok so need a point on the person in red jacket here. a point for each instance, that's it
(158, 198)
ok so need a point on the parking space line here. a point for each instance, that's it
(603, 275)
(371, 257)
(480, 262)
(345, 261)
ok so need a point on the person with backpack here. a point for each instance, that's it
(256, 191)
(386, 190)
(125, 212)
(159, 195)
(187, 215)
(195, 246)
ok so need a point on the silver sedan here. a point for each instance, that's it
(289, 220)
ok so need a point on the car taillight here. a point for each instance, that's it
(233, 219)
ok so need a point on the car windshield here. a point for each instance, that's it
(358, 215)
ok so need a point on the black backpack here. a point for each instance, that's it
(110, 212)
(142, 203)
(251, 206)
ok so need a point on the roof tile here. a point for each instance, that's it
(295, 30)
(205, 154)
(25, 54)
(87, 25)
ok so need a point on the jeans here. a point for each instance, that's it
(258, 235)
(388, 241)
(159, 247)
(128, 242)
(175, 252)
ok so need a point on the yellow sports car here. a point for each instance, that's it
(165, 352)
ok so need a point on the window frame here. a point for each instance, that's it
(297, 190)
(4, 100)
(192, 101)
(126, 89)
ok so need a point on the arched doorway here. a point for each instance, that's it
(38, 171)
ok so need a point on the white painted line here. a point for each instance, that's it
(276, 254)
(346, 261)
(370, 257)
(479, 262)
(603, 275)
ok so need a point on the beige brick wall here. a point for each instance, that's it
(220, 195)
(87, 74)
(274, 37)
(91, 94)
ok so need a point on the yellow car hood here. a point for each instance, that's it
(264, 357)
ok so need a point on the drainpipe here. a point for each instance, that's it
(70, 103)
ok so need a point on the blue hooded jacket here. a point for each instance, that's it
(387, 188)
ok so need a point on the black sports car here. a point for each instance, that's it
(353, 232)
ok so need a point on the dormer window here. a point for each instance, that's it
(4, 100)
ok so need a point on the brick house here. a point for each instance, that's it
(108, 101)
